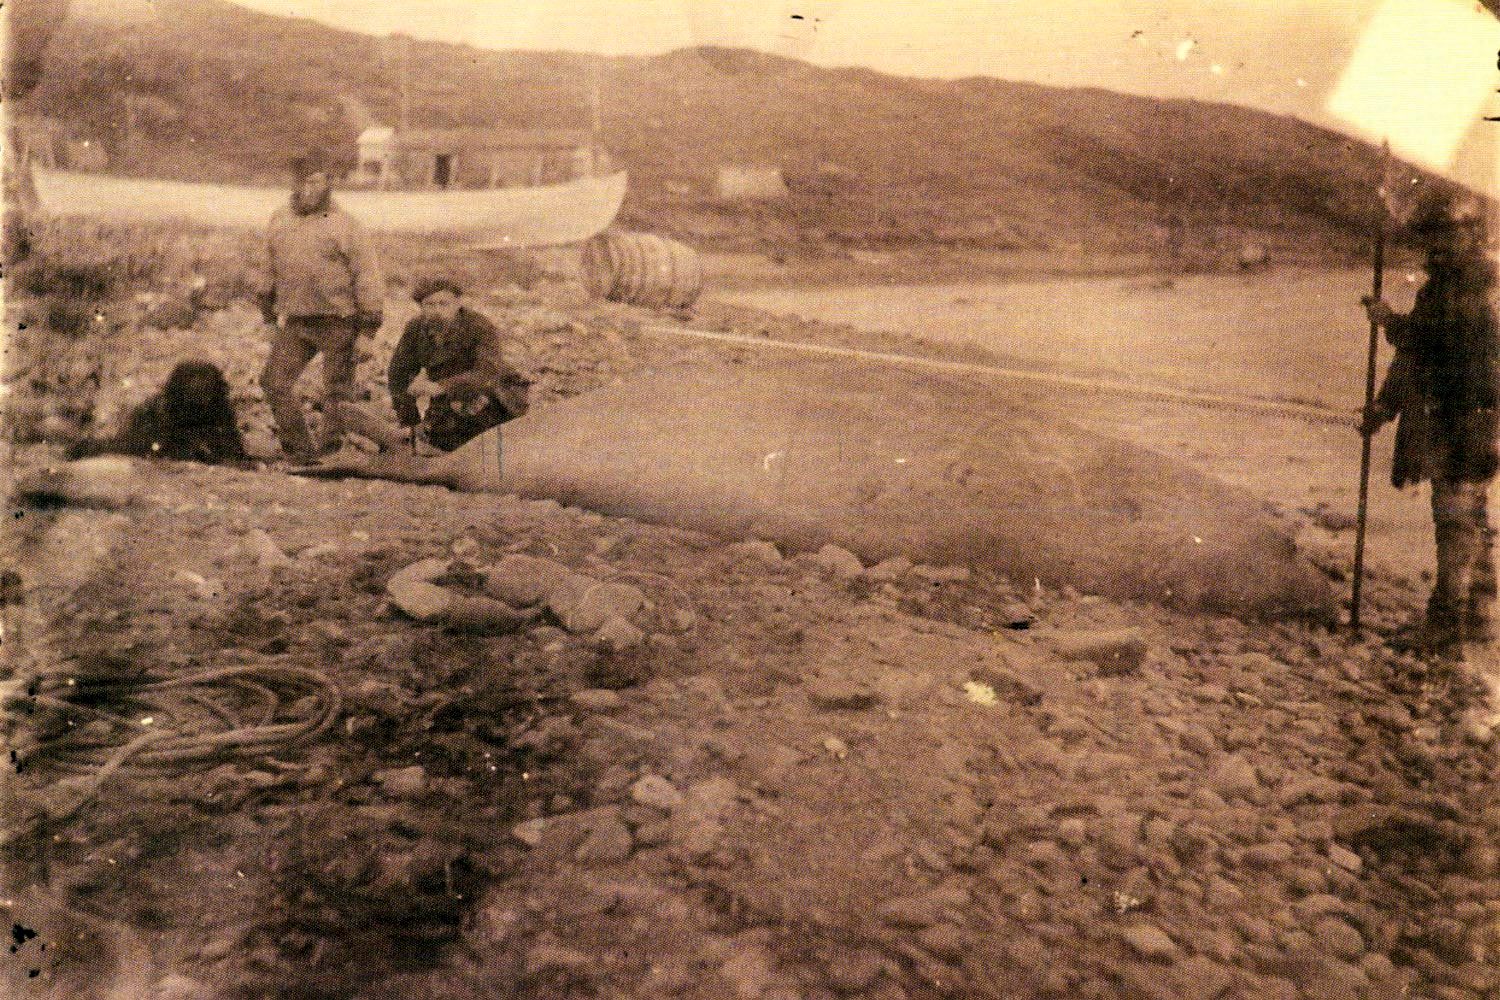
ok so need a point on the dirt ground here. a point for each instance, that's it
(767, 775)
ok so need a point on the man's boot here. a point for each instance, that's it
(1479, 625)
(1457, 520)
(1436, 633)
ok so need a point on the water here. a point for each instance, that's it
(1284, 334)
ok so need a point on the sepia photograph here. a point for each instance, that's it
(789, 500)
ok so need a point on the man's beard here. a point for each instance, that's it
(319, 204)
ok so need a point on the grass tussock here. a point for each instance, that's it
(101, 261)
(91, 262)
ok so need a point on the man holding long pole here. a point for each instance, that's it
(1444, 385)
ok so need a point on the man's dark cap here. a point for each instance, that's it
(313, 161)
(431, 286)
(1441, 210)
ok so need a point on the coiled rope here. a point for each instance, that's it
(173, 724)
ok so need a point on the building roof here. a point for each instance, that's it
(439, 140)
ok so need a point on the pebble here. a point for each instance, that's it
(1253, 928)
(1378, 967)
(699, 820)
(1312, 789)
(1315, 831)
(749, 971)
(523, 580)
(601, 602)
(657, 792)
(529, 832)
(1072, 832)
(550, 957)
(425, 602)
(1196, 739)
(1277, 852)
(852, 973)
(1115, 652)
(839, 561)
(1345, 858)
(483, 615)
(1309, 880)
(1221, 894)
(756, 550)
(607, 841)
(1310, 908)
(1235, 778)
(836, 694)
(422, 571)
(617, 634)
(1338, 938)
(597, 700)
(889, 570)
(1481, 860)
(403, 782)
(258, 545)
(180, 987)
(1273, 988)
(322, 549)
(942, 574)
(944, 940)
(563, 596)
(1149, 942)
(546, 635)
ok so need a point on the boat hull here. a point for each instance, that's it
(551, 215)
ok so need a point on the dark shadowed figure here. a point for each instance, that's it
(1444, 387)
(189, 420)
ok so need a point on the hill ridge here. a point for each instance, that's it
(220, 92)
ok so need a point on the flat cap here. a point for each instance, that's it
(431, 286)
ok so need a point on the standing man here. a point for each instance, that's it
(323, 291)
(1444, 385)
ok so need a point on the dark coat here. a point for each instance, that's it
(1444, 382)
(189, 420)
(463, 355)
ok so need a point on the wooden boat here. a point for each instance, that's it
(520, 217)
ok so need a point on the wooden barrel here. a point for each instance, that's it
(643, 269)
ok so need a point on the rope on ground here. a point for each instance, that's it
(96, 729)
(1306, 412)
(644, 576)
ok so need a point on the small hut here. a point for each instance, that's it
(472, 158)
(38, 140)
(749, 183)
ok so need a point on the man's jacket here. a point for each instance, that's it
(1444, 381)
(462, 355)
(321, 264)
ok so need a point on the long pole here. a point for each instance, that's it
(1376, 285)
(404, 53)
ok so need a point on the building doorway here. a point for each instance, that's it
(442, 169)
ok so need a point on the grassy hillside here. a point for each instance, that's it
(216, 91)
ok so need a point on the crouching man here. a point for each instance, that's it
(457, 351)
